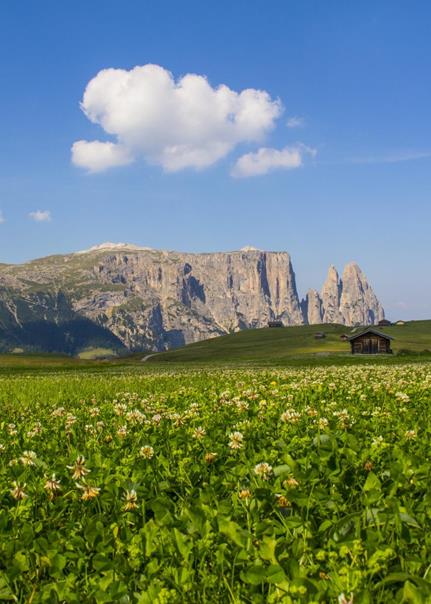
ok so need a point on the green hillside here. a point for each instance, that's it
(284, 345)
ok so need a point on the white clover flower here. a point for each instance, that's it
(18, 492)
(28, 458)
(290, 416)
(78, 469)
(122, 432)
(236, 440)
(199, 433)
(263, 470)
(146, 452)
(323, 423)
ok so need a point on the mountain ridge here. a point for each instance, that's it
(135, 298)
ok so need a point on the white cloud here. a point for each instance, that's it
(266, 160)
(2, 218)
(173, 123)
(40, 215)
(295, 122)
(97, 156)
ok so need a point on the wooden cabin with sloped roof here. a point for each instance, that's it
(370, 341)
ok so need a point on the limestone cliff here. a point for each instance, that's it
(312, 308)
(348, 301)
(125, 297)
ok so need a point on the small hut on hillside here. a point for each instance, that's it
(370, 341)
(275, 324)
(384, 323)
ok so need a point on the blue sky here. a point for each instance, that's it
(357, 74)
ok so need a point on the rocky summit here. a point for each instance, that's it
(128, 298)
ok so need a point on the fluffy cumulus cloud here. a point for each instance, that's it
(96, 156)
(177, 124)
(40, 215)
(266, 160)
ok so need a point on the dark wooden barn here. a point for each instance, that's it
(370, 341)
(275, 324)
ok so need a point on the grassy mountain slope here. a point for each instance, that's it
(269, 345)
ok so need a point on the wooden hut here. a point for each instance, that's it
(319, 335)
(384, 323)
(275, 324)
(370, 341)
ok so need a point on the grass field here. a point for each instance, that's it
(276, 347)
(164, 485)
(294, 345)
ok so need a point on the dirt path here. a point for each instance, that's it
(148, 357)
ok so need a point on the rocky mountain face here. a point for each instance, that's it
(128, 298)
(348, 301)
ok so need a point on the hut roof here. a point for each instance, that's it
(370, 330)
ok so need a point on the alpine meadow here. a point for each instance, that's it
(302, 485)
(215, 302)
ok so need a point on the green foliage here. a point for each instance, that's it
(291, 486)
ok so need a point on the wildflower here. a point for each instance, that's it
(130, 500)
(59, 412)
(264, 470)
(94, 412)
(146, 452)
(11, 428)
(79, 469)
(410, 434)
(323, 423)
(210, 457)
(290, 416)
(122, 432)
(283, 501)
(51, 486)
(245, 494)
(135, 417)
(120, 409)
(35, 431)
(290, 483)
(402, 397)
(242, 406)
(236, 440)
(70, 421)
(199, 433)
(28, 458)
(89, 492)
(342, 599)
(18, 491)
(2, 448)
(368, 465)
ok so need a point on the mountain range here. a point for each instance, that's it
(129, 298)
